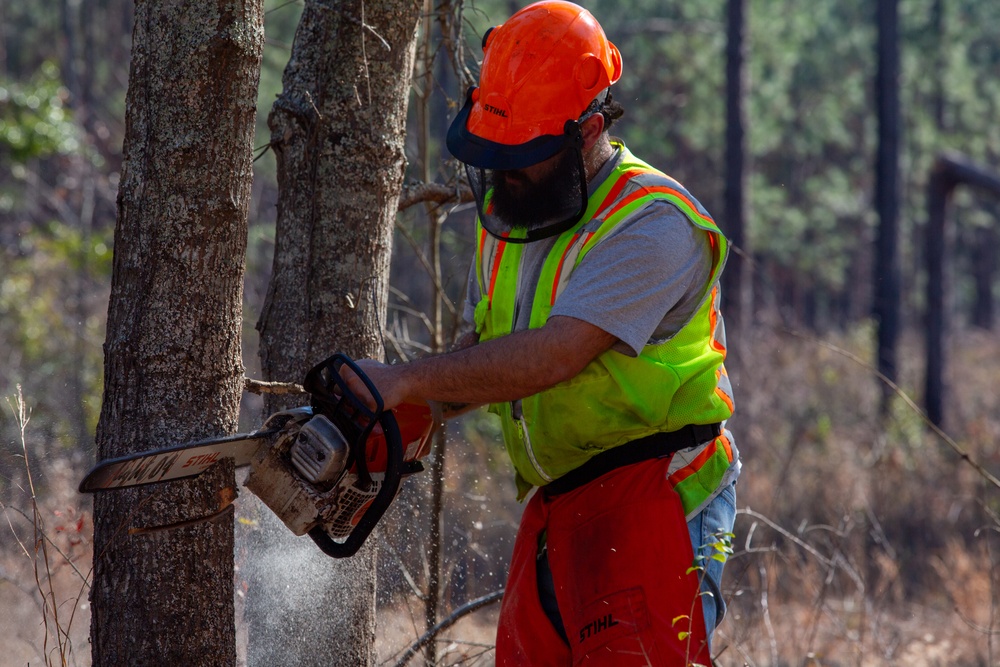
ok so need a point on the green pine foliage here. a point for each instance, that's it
(34, 120)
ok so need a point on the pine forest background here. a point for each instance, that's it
(864, 536)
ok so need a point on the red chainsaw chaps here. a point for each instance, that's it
(620, 552)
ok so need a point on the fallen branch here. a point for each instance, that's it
(462, 611)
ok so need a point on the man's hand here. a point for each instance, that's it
(389, 380)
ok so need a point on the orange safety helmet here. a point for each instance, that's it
(540, 72)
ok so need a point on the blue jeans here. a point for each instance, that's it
(717, 517)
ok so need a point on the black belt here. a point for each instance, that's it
(650, 447)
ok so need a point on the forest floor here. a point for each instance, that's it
(860, 541)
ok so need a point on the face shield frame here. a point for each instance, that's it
(480, 180)
(482, 156)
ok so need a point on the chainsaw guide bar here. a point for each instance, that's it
(330, 469)
(170, 463)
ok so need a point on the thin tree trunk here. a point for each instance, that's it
(939, 100)
(435, 220)
(736, 290)
(886, 278)
(3, 39)
(337, 132)
(71, 51)
(162, 592)
(984, 271)
(948, 171)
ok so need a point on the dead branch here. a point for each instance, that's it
(440, 193)
(422, 258)
(414, 587)
(359, 22)
(260, 387)
(801, 543)
(455, 616)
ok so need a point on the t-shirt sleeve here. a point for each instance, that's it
(644, 281)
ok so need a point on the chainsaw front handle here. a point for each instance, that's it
(328, 389)
(330, 392)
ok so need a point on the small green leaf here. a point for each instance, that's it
(679, 618)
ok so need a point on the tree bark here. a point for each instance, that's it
(162, 592)
(337, 131)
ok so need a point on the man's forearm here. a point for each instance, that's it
(507, 368)
(450, 409)
(499, 370)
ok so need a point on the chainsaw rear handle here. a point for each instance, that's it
(330, 396)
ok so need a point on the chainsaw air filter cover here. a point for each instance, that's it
(320, 452)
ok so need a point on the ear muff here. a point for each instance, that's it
(616, 62)
(588, 74)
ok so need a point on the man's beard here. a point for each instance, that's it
(529, 205)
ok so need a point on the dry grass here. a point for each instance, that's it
(469, 642)
(863, 541)
(45, 563)
(860, 541)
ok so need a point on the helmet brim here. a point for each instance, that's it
(482, 153)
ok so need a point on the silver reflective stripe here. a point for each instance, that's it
(531, 453)
(569, 263)
(488, 257)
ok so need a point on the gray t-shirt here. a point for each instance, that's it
(641, 283)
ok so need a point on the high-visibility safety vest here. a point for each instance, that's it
(616, 398)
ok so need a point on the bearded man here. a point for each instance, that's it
(596, 336)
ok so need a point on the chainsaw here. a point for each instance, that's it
(329, 469)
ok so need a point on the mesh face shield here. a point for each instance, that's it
(542, 212)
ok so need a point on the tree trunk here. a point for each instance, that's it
(886, 276)
(337, 131)
(163, 580)
(736, 282)
(984, 271)
(949, 170)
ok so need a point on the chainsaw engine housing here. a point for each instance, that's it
(310, 476)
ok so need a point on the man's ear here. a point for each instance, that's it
(592, 129)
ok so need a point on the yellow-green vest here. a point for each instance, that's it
(616, 398)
